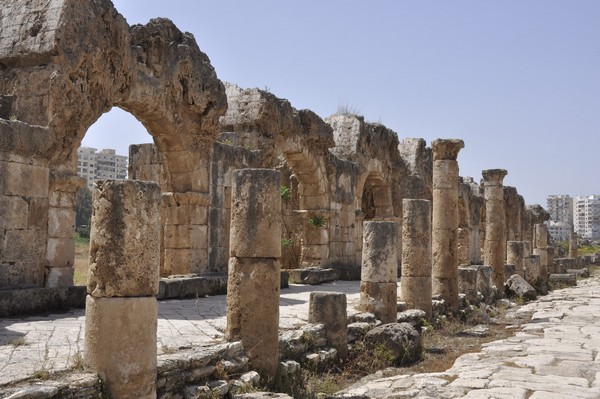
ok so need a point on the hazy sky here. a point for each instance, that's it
(517, 80)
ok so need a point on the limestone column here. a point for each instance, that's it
(254, 268)
(445, 221)
(121, 309)
(329, 309)
(532, 269)
(541, 249)
(379, 272)
(515, 253)
(493, 251)
(573, 246)
(60, 252)
(415, 283)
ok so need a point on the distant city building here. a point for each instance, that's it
(560, 231)
(560, 208)
(586, 216)
(105, 164)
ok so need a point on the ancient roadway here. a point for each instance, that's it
(555, 355)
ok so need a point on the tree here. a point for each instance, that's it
(83, 211)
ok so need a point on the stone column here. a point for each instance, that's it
(121, 309)
(254, 268)
(445, 221)
(516, 251)
(329, 309)
(493, 251)
(541, 249)
(573, 246)
(379, 273)
(532, 269)
(415, 283)
(60, 252)
(551, 263)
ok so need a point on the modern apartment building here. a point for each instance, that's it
(560, 224)
(586, 216)
(105, 164)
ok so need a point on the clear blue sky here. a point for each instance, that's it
(517, 80)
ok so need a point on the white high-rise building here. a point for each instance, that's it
(560, 208)
(104, 164)
(586, 216)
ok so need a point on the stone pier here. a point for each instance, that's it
(379, 274)
(60, 252)
(532, 269)
(254, 268)
(516, 252)
(121, 308)
(493, 251)
(445, 221)
(573, 246)
(415, 284)
(329, 309)
(541, 249)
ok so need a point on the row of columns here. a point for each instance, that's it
(121, 309)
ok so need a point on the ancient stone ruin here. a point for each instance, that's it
(244, 185)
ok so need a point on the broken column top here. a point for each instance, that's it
(446, 149)
(494, 176)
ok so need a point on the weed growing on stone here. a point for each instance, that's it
(286, 193)
(317, 221)
(19, 342)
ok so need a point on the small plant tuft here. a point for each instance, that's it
(286, 193)
(317, 221)
(287, 242)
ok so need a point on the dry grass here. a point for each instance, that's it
(82, 255)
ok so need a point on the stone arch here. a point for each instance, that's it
(62, 81)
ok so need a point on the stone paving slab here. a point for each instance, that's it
(555, 355)
(54, 342)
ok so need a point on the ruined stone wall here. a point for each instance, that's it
(64, 64)
(55, 82)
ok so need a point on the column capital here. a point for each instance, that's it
(494, 176)
(446, 148)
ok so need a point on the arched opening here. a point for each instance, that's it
(105, 154)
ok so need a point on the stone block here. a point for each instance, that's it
(484, 281)
(59, 277)
(22, 245)
(177, 261)
(15, 275)
(28, 301)
(329, 309)
(467, 282)
(24, 180)
(125, 241)
(176, 236)
(14, 211)
(509, 270)
(38, 215)
(314, 275)
(61, 222)
(563, 279)
(379, 299)
(379, 253)
(61, 199)
(60, 252)
(521, 288)
(255, 214)
(199, 237)
(253, 310)
(416, 292)
(120, 344)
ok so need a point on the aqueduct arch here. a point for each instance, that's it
(72, 63)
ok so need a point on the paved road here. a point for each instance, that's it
(54, 342)
(555, 355)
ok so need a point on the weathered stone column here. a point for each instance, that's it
(493, 251)
(415, 283)
(254, 268)
(379, 273)
(516, 251)
(552, 268)
(573, 246)
(532, 269)
(60, 252)
(329, 309)
(541, 249)
(445, 221)
(121, 309)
